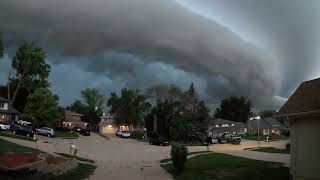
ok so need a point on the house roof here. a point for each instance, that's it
(306, 99)
(3, 99)
(70, 113)
(267, 123)
(219, 121)
(10, 110)
(107, 116)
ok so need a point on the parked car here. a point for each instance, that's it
(118, 133)
(159, 141)
(4, 126)
(222, 138)
(22, 130)
(85, 132)
(24, 123)
(49, 132)
(125, 134)
(76, 129)
(228, 137)
(212, 140)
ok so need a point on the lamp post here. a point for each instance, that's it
(258, 119)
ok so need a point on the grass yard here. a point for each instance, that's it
(67, 134)
(8, 134)
(6, 146)
(264, 137)
(190, 153)
(225, 167)
(82, 172)
(78, 158)
(271, 150)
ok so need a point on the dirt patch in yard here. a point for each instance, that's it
(55, 160)
(18, 159)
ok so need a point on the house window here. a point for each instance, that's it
(232, 124)
(225, 125)
(217, 125)
(75, 117)
(1, 105)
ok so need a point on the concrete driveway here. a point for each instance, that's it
(119, 158)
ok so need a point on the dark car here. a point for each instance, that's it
(76, 129)
(22, 130)
(159, 141)
(85, 132)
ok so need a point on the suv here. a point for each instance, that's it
(49, 132)
(22, 130)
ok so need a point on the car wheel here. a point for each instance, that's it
(28, 135)
(14, 132)
(48, 135)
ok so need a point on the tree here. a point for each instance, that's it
(79, 107)
(234, 108)
(93, 101)
(195, 115)
(22, 95)
(163, 92)
(130, 107)
(266, 113)
(42, 108)
(31, 68)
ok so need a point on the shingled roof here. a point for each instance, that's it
(305, 99)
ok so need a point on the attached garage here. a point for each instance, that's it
(303, 112)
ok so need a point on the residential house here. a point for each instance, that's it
(266, 126)
(108, 125)
(72, 120)
(303, 113)
(7, 112)
(218, 126)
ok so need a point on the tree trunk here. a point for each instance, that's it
(16, 92)
(9, 96)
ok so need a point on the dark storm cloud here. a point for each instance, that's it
(287, 28)
(154, 31)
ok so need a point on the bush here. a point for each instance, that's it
(179, 153)
(137, 135)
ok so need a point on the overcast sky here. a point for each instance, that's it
(258, 49)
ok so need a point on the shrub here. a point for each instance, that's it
(179, 153)
(137, 135)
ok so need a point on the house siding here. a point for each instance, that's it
(305, 148)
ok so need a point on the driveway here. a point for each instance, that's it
(119, 158)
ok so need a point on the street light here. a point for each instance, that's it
(258, 118)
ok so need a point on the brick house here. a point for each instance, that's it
(72, 120)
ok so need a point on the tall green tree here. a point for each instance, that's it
(195, 115)
(42, 108)
(130, 107)
(164, 92)
(93, 101)
(234, 108)
(30, 67)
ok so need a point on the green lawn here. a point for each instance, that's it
(271, 150)
(190, 153)
(67, 134)
(6, 146)
(78, 158)
(82, 172)
(9, 134)
(225, 167)
(264, 137)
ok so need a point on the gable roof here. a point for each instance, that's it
(219, 121)
(70, 113)
(306, 99)
(267, 123)
(3, 99)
